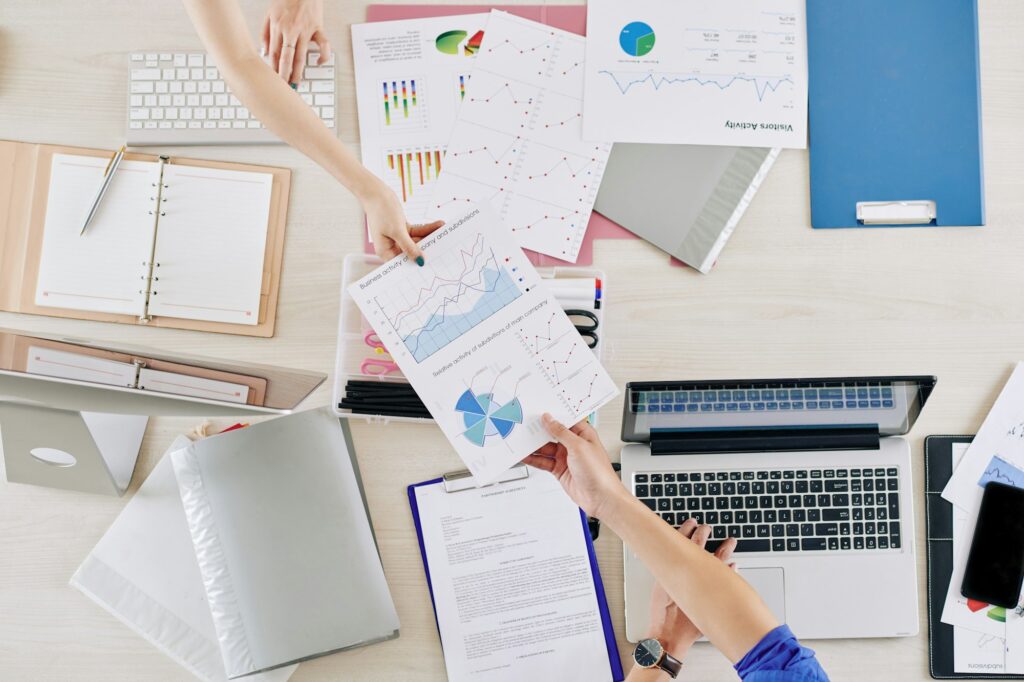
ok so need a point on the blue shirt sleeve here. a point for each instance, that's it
(779, 657)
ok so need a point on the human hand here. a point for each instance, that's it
(580, 463)
(288, 28)
(389, 230)
(669, 624)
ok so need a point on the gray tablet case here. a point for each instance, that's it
(684, 199)
(284, 543)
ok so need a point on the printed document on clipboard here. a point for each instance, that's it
(514, 580)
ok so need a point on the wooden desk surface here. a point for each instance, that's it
(784, 300)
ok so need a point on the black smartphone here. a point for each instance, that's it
(995, 565)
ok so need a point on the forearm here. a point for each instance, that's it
(222, 29)
(638, 674)
(719, 602)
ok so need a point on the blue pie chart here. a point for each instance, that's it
(636, 39)
(485, 417)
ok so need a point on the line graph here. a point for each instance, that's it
(453, 296)
(762, 85)
(1001, 471)
(569, 367)
(518, 140)
(715, 73)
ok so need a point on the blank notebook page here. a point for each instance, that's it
(210, 244)
(102, 270)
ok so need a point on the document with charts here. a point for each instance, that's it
(732, 72)
(411, 78)
(485, 345)
(997, 451)
(517, 143)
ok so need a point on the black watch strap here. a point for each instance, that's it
(670, 665)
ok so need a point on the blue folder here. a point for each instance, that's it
(894, 112)
(614, 662)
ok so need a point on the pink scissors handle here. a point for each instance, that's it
(375, 367)
(372, 340)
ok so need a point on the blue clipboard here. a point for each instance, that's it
(894, 113)
(602, 601)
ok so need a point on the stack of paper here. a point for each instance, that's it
(986, 638)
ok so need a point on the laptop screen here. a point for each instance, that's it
(889, 403)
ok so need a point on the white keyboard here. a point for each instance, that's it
(178, 98)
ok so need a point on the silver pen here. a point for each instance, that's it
(108, 175)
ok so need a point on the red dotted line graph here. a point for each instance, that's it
(504, 89)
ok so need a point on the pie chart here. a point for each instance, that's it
(636, 39)
(486, 417)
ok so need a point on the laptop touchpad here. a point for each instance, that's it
(771, 585)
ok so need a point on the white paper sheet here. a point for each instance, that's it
(211, 243)
(196, 387)
(99, 271)
(997, 452)
(411, 78)
(484, 344)
(144, 572)
(517, 144)
(697, 72)
(512, 585)
(79, 367)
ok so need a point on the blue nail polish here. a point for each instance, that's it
(420, 261)
(295, 86)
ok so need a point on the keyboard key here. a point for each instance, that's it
(711, 518)
(145, 74)
(812, 544)
(754, 546)
(869, 542)
(894, 507)
(814, 515)
(763, 531)
(792, 544)
(664, 504)
(778, 530)
(735, 531)
(672, 489)
(641, 491)
(826, 529)
(718, 532)
(837, 486)
(833, 543)
(806, 529)
(778, 545)
(657, 490)
(640, 478)
(678, 504)
(651, 504)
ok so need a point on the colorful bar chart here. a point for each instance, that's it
(412, 170)
(395, 92)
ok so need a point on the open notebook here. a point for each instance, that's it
(169, 240)
(175, 242)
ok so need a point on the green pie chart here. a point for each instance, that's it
(449, 41)
(636, 39)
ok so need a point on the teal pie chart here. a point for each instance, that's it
(485, 417)
(636, 39)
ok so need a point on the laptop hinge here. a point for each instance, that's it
(704, 441)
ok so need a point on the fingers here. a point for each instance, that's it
(725, 550)
(320, 39)
(383, 247)
(548, 449)
(701, 535)
(265, 36)
(585, 430)
(286, 58)
(689, 525)
(425, 230)
(405, 243)
(560, 433)
(540, 462)
(301, 48)
(274, 49)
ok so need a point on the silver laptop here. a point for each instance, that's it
(684, 199)
(809, 474)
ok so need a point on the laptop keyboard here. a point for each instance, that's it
(773, 399)
(784, 510)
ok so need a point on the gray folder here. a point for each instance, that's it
(684, 199)
(284, 543)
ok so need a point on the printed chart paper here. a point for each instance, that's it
(484, 344)
(517, 143)
(997, 452)
(697, 72)
(411, 78)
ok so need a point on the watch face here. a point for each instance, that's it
(648, 652)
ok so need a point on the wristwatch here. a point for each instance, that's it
(649, 653)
